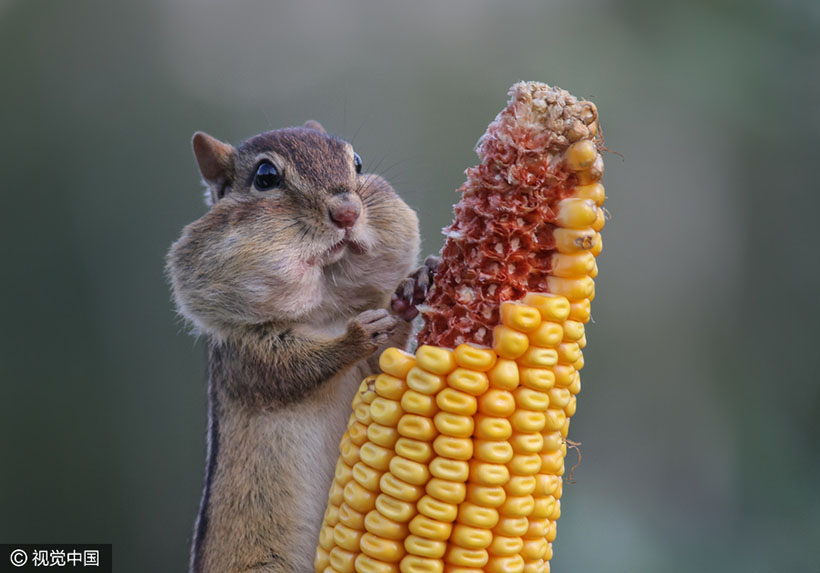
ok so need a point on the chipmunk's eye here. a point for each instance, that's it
(357, 161)
(267, 176)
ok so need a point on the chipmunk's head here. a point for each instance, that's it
(294, 229)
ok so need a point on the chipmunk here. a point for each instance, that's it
(298, 275)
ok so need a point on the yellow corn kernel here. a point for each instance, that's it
(321, 560)
(377, 457)
(555, 419)
(326, 538)
(565, 428)
(382, 435)
(474, 357)
(365, 392)
(423, 526)
(580, 309)
(424, 382)
(573, 330)
(343, 472)
(471, 537)
(336, 494)
(456, 569)
(505, 545)
(552, 441)
(417, 403)
(547, 335)
(519, 505)
(393, 486)
(525, 464)
(493, 451)
(559, 397)
(572, 265)
(543, 507)
(416, 564)
(418, 451)
(505, 564)
(510, 526)
(445, 490)
(349, 452)
(569, 409)
(362, 413)
(575, 387)
(422, 547)
(556, 513)
(341, 560)
(576, 213)
(450, 470)
(530, 399)
(469, 381)
(386, 412)
(546, 484)
(569, 241)
(350, 517)
(538, 527)
(504, 375)
(594, 272)
(396, 362)
(582, 342)
(593, 174)
(409, 471)
(551, 533)
(574, 289)
(381, 526)
(568, 353)
(436, 360)
(358, 433)
(520, 485)
(548, 555)
(564, 374)
(485, 495)
(600, 220)
(377, 547)
(581, 155)
(466, 557)
(534, 549)
(536, 357)
(346, 538)
(526, 443)
(496, 402)
(395, 509)
(540, 379)
(509, 343)
(416, 427)
(453, 448)
(455, 425)
(366, 476)
(593, 191)
(551, 306)
(485, 473)
(366, 564)
(579, 364)
(539, 566)
(597, 245)
(389, 386)
(492, 428)
(359, 498)
(331, 515)
(457, 402)
(528, 421)
(553, 463)
(521, 317)
(437, 509)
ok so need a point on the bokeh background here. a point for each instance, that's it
(700, 415)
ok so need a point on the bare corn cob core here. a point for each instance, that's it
(503, 241)
(453, 458)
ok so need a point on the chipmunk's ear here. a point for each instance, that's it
(313, 124)
(216, 164)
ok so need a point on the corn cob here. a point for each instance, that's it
(453, 457)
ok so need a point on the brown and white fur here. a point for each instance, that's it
(292, 289)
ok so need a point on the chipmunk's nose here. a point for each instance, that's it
(344, 213)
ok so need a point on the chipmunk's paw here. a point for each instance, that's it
(413, 290)
(372, 327)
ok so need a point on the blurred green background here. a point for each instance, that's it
(700, 415)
